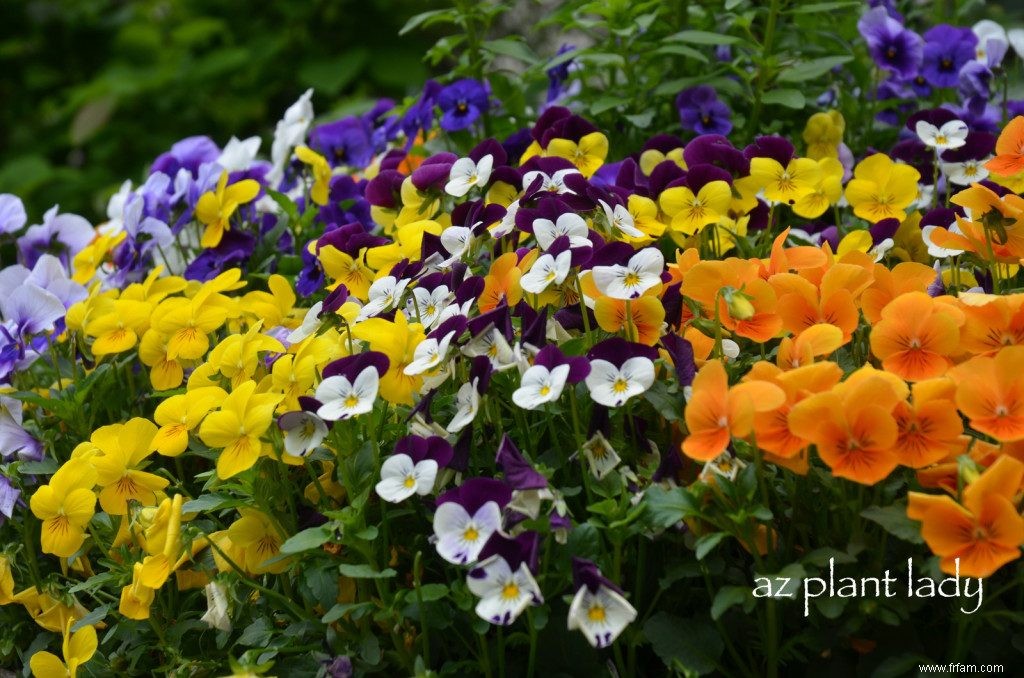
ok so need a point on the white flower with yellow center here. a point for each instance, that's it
(612, 386)
(342, 399)
(600, 615)
(400, 478)
(504, 593)
(466, 175)
(540, 385)
(461, 536)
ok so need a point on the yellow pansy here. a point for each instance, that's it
(179, 415)
(253, 534)
(117, 325)
(124, 448)
(236, 428)
(398, 341)
(823, 134)
(690, 213)
(825, 192)
(652, 157)
(587, 154)
(320, 190)
(881, 188)
(785, 184)
(215, 208)
(78, 648)
(65, 505)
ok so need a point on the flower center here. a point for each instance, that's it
(631, 279)
(545, 389)
(409, 482)
(351, 401)
(470, 534)
(620, 385)
(596, 613)
(510, 591)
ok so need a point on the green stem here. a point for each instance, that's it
(417, 573)
(762, 72)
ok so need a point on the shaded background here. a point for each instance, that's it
(93, 90)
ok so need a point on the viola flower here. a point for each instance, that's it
(549, 183)
(124, 448)
(433, 350)
(621, 220)
(987, 393)
(215, 208)
(930, 427)
(400, 478)
(600, 455)
(467, 174)
(467, 516)
(587, 154)
(717, 413)
(65, 505)
(78, 649)
(882, 189)
(950, 135)
(630, 281)
(259, 543)
(701, 112)
(598, 610)
(384, 294)
(619, 370)
(503, 579)
(982, 535)
(319, 192)
(1009, 158)
(12, 213)
(349, 387)
(917, 336)
(236, 428)
(179, 415)
(569, 225)
(462, 103)
(547, 269)
(892, 46)
(544, 380)
(63, 235)
(303, 432)
(946, 50)
(690, 212)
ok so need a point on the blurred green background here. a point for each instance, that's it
(93, 90)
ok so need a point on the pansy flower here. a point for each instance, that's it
(462, 103)
(303, 429)
(619, 370)
(544, 380)
(946, 50)
(412, 468)
(892, 46)
(467, 516)
(350, 385)
(701, 111)
(503, 579)
(598, 610)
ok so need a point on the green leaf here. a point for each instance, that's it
(94, 617)
(894, 520)
(641, 120)
(257, 634)
(431, 592)
(425, 19)
(728, 596)
(512, 47)
(692, 644)
(206, 502)
(363, 571)
(356, 610)
(704, 38)
(682, 50)
(310, 538)
(790, 98)
(667, 507)
(820, 7)
(46, 467)
(708, 542)
(808, 70)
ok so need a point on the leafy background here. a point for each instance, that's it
(93, 90)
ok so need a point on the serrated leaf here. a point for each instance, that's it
(665, 508)
(727, 597)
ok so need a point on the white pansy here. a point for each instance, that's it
(492, 343)
(289, 133)
(965, 173)
(456, 240)
(304, 431)
(988, 31)
(619, 219)
(601, 615)
(466, 175)
(504, 594)
(730, 349)
(216, 616)
(239, 154)
(400, 478)
(568, 224)
(115, 210)
(1015, 36)
(546, 270)
(461, 536)
(630, 281)
(952, 134)
(385, 293)
(554, 183)
(428, 354)
(540, 385)
(611, 386)
(467, 404)
(427, 305)
(724, 466)
(310, 324)
(343, 399)
(600, 455)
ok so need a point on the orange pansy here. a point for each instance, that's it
(1009, 158)
(916, 336)
(929, 425)
(502, 282)
(991, 394)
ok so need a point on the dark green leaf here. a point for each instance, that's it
(692, 644)
(310, 538)
(363, 571)
(790, 98)
(894, 520)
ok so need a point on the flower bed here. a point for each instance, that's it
(405, 398)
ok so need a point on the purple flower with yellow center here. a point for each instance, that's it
(467, 516)
(893, 47)
(462, 103)
(599, 609)
(348, 141)
(946, 50)
(701, 111)
(503, 580)
(63, 235)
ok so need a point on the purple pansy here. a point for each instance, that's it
(701, 111)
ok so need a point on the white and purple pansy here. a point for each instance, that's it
(467, 516)
(619, 370)
(350, 385)
(529, 487)
(641, 273)
(544, 381)
(303, 429)
(433, 350)
(413, 467)
(503, 579)
(599, 610)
